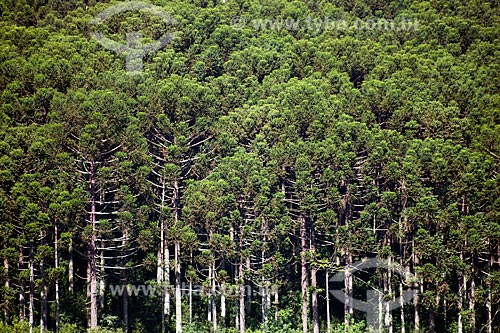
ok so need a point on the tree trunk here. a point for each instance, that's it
(162, 272)
(223, 304)
(432, 321)
(348, 279)
(462, 285)
(314, 285)
(304, 285)
(91, 254)
(6, 311)
(43, 292)
(432, 313)
(160, 275)
(327, 298)
(314, 300)
(248, 299)
(125, 281)
(70, 267)
(276, 304)
(237, 313)
(348, 288)
(472, 299)
(264, 292)
(380, 303)
(416, 298)
(241, 277)
(268, 304)
(22, 286)
(387, 293)
(92, 282)
(213, 295)
(419, 291)
(402, 307)
(461, 282)
(178, 294)
(210, 299)
(242, 297)
(190, 301)
(102, 273)
(125, 307)
(401, 300)
(166, 279)
(32, 289)
(445, 312)
(489, 298)
(177, 264)
(56, 265)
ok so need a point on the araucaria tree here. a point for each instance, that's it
(268, 147)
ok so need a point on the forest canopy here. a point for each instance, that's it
(239, 166)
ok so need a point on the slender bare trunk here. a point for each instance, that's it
(162, 262)
(125, 308)
(91, 255)
(304, 273)
(248, 299)
(70, 266)
(401, 300)
(166, 280)
(314, 285)
(432, 321)
(264, 294)
(268, 304)
(416, 304)
(241, 277)
(56, 265)
(327, 298)
(43, 292)
(276, 304)
(178, 294)
(472, 300)
(265, 297)
(401, 306)
(191, 294)
(125, 282)
(416, 298)
(22, 286)
(223, 304)
(6, 311)
(160, 274)
(489, 298)
(92, 281)
(380, 303)
(314, 300)
(348, 278)
(177, 264)
(102, 277)
(445, 312)
(242, 297)
(214, 299)
(237, 314)
(210, 299)
(462, 285)
(387, 293)
(348, 288)
(461, 282)
(32, 289)
(43, 307)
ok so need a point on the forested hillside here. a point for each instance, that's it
(267, 147)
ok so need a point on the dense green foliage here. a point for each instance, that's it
(249, 154)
